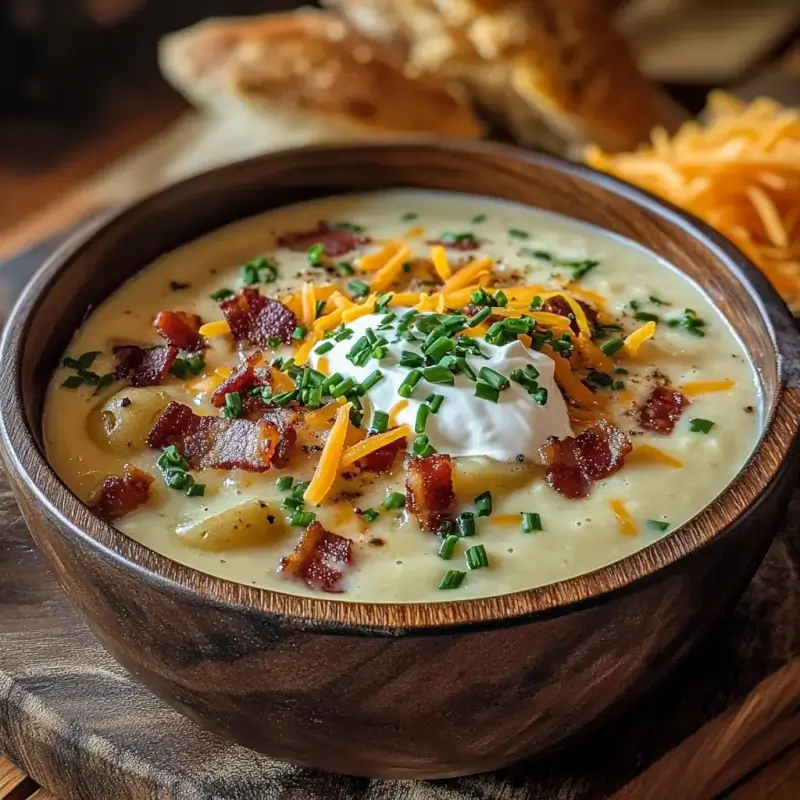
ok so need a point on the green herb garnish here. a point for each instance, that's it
(699, 425)
(448, 546)
(476, 557)
(531, 522)
(284, 483)
(612, 346)
(394, 501)
(222, 294)
(358, 288)
(657, 524)
(370, 515)
(483, 504)
(452, 579)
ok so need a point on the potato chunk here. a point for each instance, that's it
(122, 422)
(247, 524)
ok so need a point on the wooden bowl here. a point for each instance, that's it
(398, 691)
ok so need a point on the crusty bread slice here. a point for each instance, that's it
(555, 72)
(309, 76)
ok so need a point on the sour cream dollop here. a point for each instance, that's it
(465, 425)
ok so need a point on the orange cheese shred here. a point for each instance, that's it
(304, 351)
(374, 261)
(321, 418)
(569, 382)
(329, 321)
(575, 307)
(507, 519)
(330, 458)
(395, 410)
(323, 365)
(440, 262)
(281, 381)
(308, 302)
(635, 340)
(373, 443)
(390, 271)
(211, 329)
(467, 274)
(427, 302)
(592, 354)
(694, 388)
(646, 452)
(625, 521)
(361, 310)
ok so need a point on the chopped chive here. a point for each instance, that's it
(493, 378)
(645, 316)
(447, 547)
(292, 503)
(331, 381)
(657, 524)
(449, 237)
(612, 346)
(405, 319)
(452, 579)
(357, 288)
(394, 501)
(343, 333)
(409, 216)
(371, 514)
(476, 557)
(441, 376)
(535, 303)
(325, 347)
(466, 524)
(406, 388)
(380, 421)
(233, 405)
(422, 418)
(299, 332)
(487, 392)
(274, 342)
(221, 294)
(422, 446)
(284, 483)
(380, 352)
(83, 361)
(348, 226)
(345, 269)
(531, 522)
(302, 519)
(300, 489)
(319, 307)
(73, 382)
(518, 233)
(284, 398)
(384, 301)
(657, 301)
(699, 425)
(316, 255)
(581, 267)
(480, 317)
(341, 389)
(500, 299)
(483, 504)
(371, 380)
(440, 348)
(435, 402)
(410, 359)
(196, 490)
(543, 255)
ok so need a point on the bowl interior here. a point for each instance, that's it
(64, 292)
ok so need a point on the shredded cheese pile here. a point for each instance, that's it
(740, 173)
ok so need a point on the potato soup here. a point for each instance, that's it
(402, 396)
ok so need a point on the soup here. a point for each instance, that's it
(402, 396)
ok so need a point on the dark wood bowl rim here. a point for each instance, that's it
(29, 467)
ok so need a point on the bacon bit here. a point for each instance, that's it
(624, 519)
(334, 242)
(429, 488)
(285, 420)
(662, 410)
(180, 329)
(320, 558)
(574, 463)
(215, 442)
(119, 496)
(143, 367)
(258, 319)
(463, 245)
(247, 376)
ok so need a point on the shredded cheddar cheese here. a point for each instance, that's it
(467, 274)
(308, 303)
(636, 339)
(281, 382)
(390, 271)
(694, 388)
(625, 521)
(304, 351)
(395, 410)
(373, 443)
(330, 458)
(212, 329)
(592, 354)
(322, 418)
(575, 307)
(374, 261)
(322, 365)
(646, 452)
(740, 173)
(569, 382)
(440, 262)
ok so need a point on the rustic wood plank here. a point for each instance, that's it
(779, 780)
(14, 785)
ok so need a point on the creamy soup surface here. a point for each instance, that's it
(502, 400)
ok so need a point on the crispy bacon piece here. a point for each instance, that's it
(245, 377)
(258, 319)
(285, 420)
(215, 442)
(180, 329)
(573, 464)
(143, 366)
(662, 409)
(335, 242)
(429, 488)
(558, 305)
(460, 244)
(382, 459)
(320, 558)
(119, 496)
